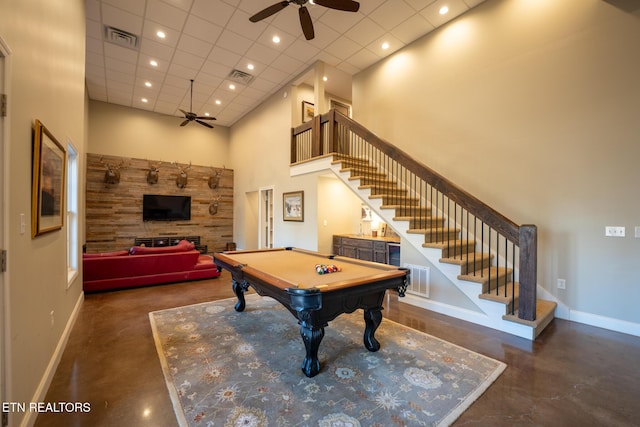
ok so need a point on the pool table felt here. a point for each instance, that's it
(296, 269)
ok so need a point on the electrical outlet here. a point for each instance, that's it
(637, 231)
(562, 284)
(614, 231)
(52, 317)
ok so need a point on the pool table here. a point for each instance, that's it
(289, 276)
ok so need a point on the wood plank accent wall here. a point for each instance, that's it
(114, 211)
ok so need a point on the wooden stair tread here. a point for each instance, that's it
(449, 243)
(545, 312)
(483, 275)
(432, 230)
(477, 257)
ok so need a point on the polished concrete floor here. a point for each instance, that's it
(572, 375)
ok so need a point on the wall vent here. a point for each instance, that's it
(120, 37)
(240, 77)
(419, 280)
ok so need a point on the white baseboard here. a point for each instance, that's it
(609, 323)
(41, 392)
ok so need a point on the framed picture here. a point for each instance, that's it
(308, 111)
(48, 182)
(293, 206)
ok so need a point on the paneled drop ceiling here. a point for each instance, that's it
(206, 40)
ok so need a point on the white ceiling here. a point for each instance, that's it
(207, 39)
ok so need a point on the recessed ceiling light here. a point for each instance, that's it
(276, 39)
(325, 78)
(153, 63)
(161, 34)
(218, 102)
(232, 86)
(147, 84)
(250, 66)
(385, 45)
(206, 114)
(444, 10)
(145, 100)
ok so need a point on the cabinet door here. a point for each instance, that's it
(349, 251)
(380, 256)
(365, 254)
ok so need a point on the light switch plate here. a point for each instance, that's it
(614, 231)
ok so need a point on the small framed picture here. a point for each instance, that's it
(308, 111)
(293, 206)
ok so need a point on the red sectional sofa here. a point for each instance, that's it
(143, 266)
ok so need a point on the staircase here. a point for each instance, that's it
(486, 256)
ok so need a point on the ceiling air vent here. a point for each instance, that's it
(240, 77)
(120, 37)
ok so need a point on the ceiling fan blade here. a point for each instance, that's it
(183, 112)
(346, 5)
(186, 122)
(267, 12)
(305, 22)
(204, 123)
(205, 118)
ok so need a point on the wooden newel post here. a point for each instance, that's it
(528, 278)
(316, 142)
(333, 132)
(294, 153)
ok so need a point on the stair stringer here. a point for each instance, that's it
(491, 312)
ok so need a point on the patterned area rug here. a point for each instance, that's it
(225, 368)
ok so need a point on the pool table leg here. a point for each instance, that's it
(312, 337)
(239, 288)
(372, 319)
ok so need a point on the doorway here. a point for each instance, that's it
(265, 221)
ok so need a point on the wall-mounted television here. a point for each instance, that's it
(157, 207)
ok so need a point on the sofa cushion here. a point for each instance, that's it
(104, 254)
(182, 246)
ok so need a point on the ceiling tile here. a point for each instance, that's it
(182, 4)
(156, 50)
(412, 29)
(201, 29)
(165, 14)
(194, 46)
(150, 31)
(365, 31)
(121, 19)
(135, 7)
(234, 42)
(433, 15)
(214, 11)
(391, 14)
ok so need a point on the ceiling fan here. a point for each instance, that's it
(190, 117)
(305, 17)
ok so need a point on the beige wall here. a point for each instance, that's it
(260, 151)
(45, 81)
(129, 132)
(533, 107)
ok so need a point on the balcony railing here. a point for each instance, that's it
(489, 247)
